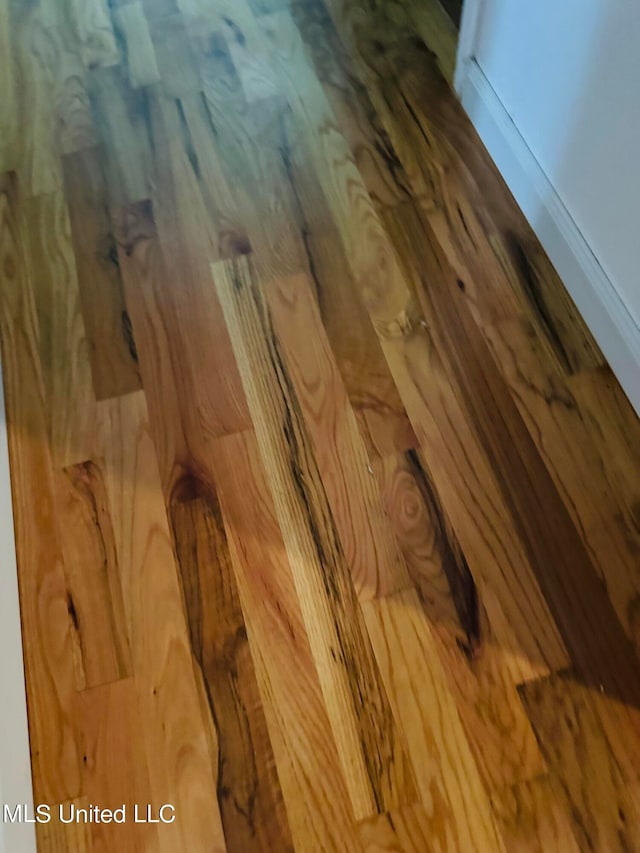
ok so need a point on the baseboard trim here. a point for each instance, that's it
(591, 289)
(15, 765)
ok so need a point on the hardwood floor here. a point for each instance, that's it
(327, 505)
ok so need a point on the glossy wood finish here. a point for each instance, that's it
(326, 502)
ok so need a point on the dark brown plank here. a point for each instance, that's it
(251, 805)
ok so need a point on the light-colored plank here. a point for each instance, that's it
(367, 538)
(36, 152)
(132, 30)
(177, 741)
(94, 31)
(92, 574)
(479, 670)
(309, 769)
(451, 791)
(121, 116)
(8, 104)
(405, 830)
(75, 129)
(115, 770)
(44, 607)
(58, 837)
(369, 745)
(64, 348)
(175, 56)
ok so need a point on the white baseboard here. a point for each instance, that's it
(593, 292)
(15, 766)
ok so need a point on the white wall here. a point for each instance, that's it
(568, 74)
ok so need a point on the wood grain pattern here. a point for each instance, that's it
(327, 505)
(178, 740)
(132, 30)
(603, 814)
(189, 246)
(94, 592)
(64, 348)
(479, 673)
(251, 805)
(112, 349)
(366, 536)
(46, 623)
(304, 747)
(94, 31)
(534, 816)
(121, 116)
(115, 768)
(327, 597)
(406, 830)
(450, 787)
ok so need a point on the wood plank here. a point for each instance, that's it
(588, 490)
(368, 541)
(63, 344)
(179, 744)
(35, 155)
(175, 57)
(387, 179)
(75, 129)
(451, 791)
(554, 547)
(614, 426)
(115, 768)
(166, 374)
(114, 360)
(57, 837)
(309, 769)
(438, 32)
(46, 629)
(407, 830)
(94, 592)
(121, 115)
(534, 817)
(189, 244)
(604, 816)
(94, 32)
(371, 753)
(394, 312)
(249, 795)
(365, 373)
(478, 668)
(132, 32)
(510, 238)
(8, 106)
